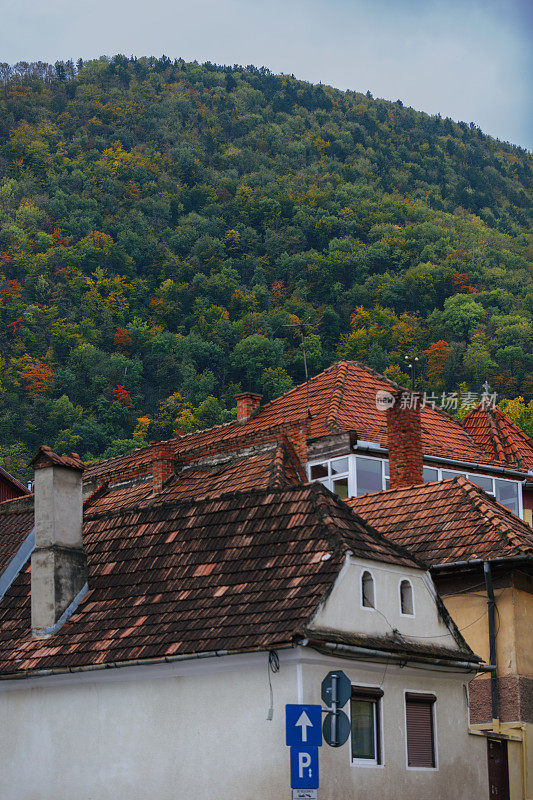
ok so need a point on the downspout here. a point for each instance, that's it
(491, 603)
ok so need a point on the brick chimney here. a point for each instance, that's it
(404, 438)
(59, 562)
(247, 403)
(163, 466)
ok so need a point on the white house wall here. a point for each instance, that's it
(198, 731)
(343, 611)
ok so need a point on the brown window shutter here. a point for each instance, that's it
(420, 739)
(367, 692)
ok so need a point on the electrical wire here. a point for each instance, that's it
(272, 668)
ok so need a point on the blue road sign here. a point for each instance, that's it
(303, 726)
(304, 767)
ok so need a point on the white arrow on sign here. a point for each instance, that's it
(304, 722)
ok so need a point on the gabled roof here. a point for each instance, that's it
(341, 398)
(242, 571)
(498, 435)
(10, 487)
(16, 522)
(446, 522)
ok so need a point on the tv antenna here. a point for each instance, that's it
(300, 326)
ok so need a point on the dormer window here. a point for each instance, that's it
(406, 599)
(367, 590)
(353, 475)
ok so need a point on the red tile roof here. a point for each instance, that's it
(45, 456)
(498, 435)
(238, 572)
(16, 522)
(446, 521)
(272, 464)
(342, 398)
(10, 487)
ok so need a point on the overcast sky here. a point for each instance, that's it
(467, 59)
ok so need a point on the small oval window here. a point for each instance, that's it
(406, 598)
(367, 590)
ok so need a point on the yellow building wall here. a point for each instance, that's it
(523, 624)
(514, 655)
(469, 612)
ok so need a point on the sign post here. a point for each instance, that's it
(303, 733)
(336, 691)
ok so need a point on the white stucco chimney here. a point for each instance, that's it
(58, 563)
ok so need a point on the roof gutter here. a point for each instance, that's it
(452, 462)
(139, 662)
(368, 653)
(479, 562)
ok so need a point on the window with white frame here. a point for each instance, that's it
(334, 474)
(365, 707)
(353, 475)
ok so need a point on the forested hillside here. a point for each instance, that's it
(165, 227)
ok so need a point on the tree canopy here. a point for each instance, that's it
(170, 230)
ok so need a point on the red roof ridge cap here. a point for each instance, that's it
(476, 495)
(277, 470)
(294, 389)
(332, 418)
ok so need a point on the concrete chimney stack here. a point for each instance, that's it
(58, 563)
(404, 438)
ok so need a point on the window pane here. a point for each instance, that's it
(507, 494)
(446, 473)
(363, 729)
(386, 467)
(368, 475)
(339, 465)
(340, 487)
(319, 471)
(430, 474)
(483, 482)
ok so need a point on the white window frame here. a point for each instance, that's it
(352, 475)
(434, 730)
(406, 580)
(379, 760)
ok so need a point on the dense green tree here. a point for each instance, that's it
(166, 229)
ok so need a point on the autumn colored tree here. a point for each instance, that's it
(436, 355)
(122, 395)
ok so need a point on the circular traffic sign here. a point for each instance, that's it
(342, 728)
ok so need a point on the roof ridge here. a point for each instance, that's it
(332, 418)
(277, 467)
(477, 497)
(348, 511)
(291, 452)
(499, 423)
